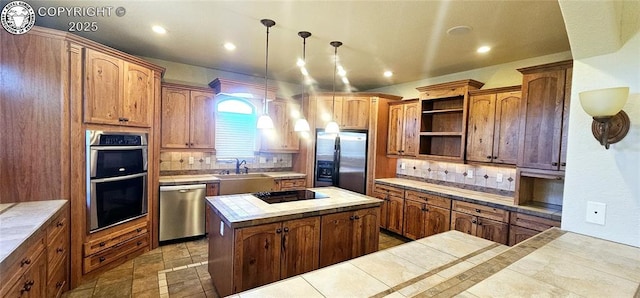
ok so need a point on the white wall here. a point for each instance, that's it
(593, 173)
(201, 76)
(501, 75)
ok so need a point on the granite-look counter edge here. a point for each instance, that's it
(20, 222)
(476, 197)
(213, 178)
(243, 210)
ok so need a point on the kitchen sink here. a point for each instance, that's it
(245, 183)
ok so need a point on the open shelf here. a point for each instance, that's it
(443, 111)
(441, 145)
(441, 134)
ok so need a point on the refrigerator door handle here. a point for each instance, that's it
(336, 162)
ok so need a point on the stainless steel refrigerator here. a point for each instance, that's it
(341, 160)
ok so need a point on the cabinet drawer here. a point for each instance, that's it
(22, 264)
(100, 244)
(57, 249)
(390, 190)
(482, 211)
(57, 280)
(532, 222)
(292, 184)
(440, 93)
(32, 282)
(58, 225)
(429, 199)
(115, 253)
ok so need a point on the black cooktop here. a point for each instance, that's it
(288, 196)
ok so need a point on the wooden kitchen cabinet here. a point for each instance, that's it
(403, 128)
(290, 184)
(443, 119)
(544, 109)
(351, 112)
(124, 243)
(187, 117)
(348, 235)
(481, 221)
(524, 226)
(283, 138)
(270, 252)
(493, 128)
(117, 92)
(425, 214)
(392, 208)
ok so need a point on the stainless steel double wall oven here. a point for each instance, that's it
(116, 178)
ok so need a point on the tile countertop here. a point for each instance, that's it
(244, 210)
(482, 198)
(551, 264)
(20, 221)
(212, 178)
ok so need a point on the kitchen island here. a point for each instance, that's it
(554, 263)
(253, 242)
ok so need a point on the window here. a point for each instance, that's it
(235, 129)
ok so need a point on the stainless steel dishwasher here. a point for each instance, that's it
(182, 211)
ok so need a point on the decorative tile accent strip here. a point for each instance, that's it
(434, 271)
(495, 191)
(162, 277)
(473, 276)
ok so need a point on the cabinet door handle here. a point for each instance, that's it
(286, 229)
(352, 217)
(59, 284)
(554, 163)
(101, 259)
(139, 243)
(59, 224)
(191, 144)
(478, 210)
(488, 156)
(278, 230)
(138, 230)
(563, 164)
(125, 119)
(186, 144)
(25, 261)
(357, 217)
(474, 221)
(59, 249)
(495, 157)
(102, 244)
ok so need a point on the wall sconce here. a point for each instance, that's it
(610, 123)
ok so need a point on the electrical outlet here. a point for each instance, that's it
(596, 212)
(192, 160)
(221, 228)
(207, 160)
(403, 166)
(275, 159)
(499, 177)
(469, 174)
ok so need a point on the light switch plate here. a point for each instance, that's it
(499, 177)
(275, 159)
(191, 160)
(207, 160)
(596, 212)
(470, 174)
(403, 166)
(263, 159)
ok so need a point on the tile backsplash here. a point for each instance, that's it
(206, 162)
(477, 177)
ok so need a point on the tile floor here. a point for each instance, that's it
(174, 270)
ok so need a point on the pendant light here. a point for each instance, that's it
(265, 122)
(302, 125)
(332, 127)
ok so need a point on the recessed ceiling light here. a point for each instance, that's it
(388, 73)
(229, 46)
(159, 29)
(483, 49)
(459, 30)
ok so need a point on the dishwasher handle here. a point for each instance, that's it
(183, 188)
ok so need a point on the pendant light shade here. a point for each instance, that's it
(265, 122)
(301, 124)
(333, 127)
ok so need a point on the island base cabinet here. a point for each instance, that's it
(33, 281)
(348, 235)
(271, 252)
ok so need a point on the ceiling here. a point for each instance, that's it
(407, 37)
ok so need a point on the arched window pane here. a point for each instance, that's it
(235, 129)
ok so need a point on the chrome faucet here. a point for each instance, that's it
(239, 163)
